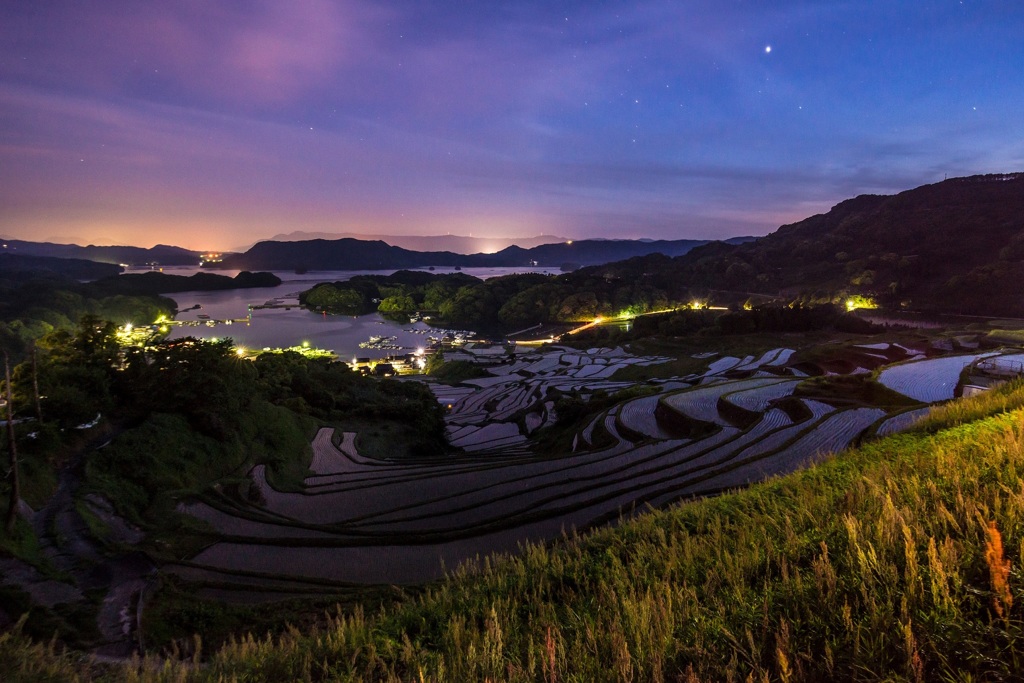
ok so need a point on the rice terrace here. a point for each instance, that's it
(739, 420)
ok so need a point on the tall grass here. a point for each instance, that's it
(1006, 336)
(23, 660)
(900, 560)
(1009, 396)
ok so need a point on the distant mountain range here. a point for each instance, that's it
(460, 244)
(352, 254)
(161, 254)
(348, 253)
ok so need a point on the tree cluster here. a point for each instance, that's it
(32, 306)
(505, 302)
(190, 412)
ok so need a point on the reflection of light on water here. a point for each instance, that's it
(281, 328)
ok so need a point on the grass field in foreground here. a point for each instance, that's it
(899, 560)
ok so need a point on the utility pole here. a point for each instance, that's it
(12, 508)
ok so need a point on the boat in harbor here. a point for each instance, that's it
(381, 342)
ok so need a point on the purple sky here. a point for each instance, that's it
(212, 124)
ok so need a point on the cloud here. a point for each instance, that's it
(261, 52)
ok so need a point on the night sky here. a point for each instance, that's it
(212, 124)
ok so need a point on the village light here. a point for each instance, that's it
(857, 301)
(240, 351)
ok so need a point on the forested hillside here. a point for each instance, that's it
(955, 246)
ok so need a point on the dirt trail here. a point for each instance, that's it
(65, 541)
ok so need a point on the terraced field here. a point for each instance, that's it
(701, 403)
(758, 398)
(359, 519)
(900, 422)
(932, 379)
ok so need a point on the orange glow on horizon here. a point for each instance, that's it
(220, 234)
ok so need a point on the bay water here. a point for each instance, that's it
(292, 326)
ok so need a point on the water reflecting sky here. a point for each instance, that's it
(281, 327)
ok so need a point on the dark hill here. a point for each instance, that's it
(955, 246)
(76, 269)
(161, 254)
(460, 244)
(162, 283)
(593, 252)
(343, 254)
